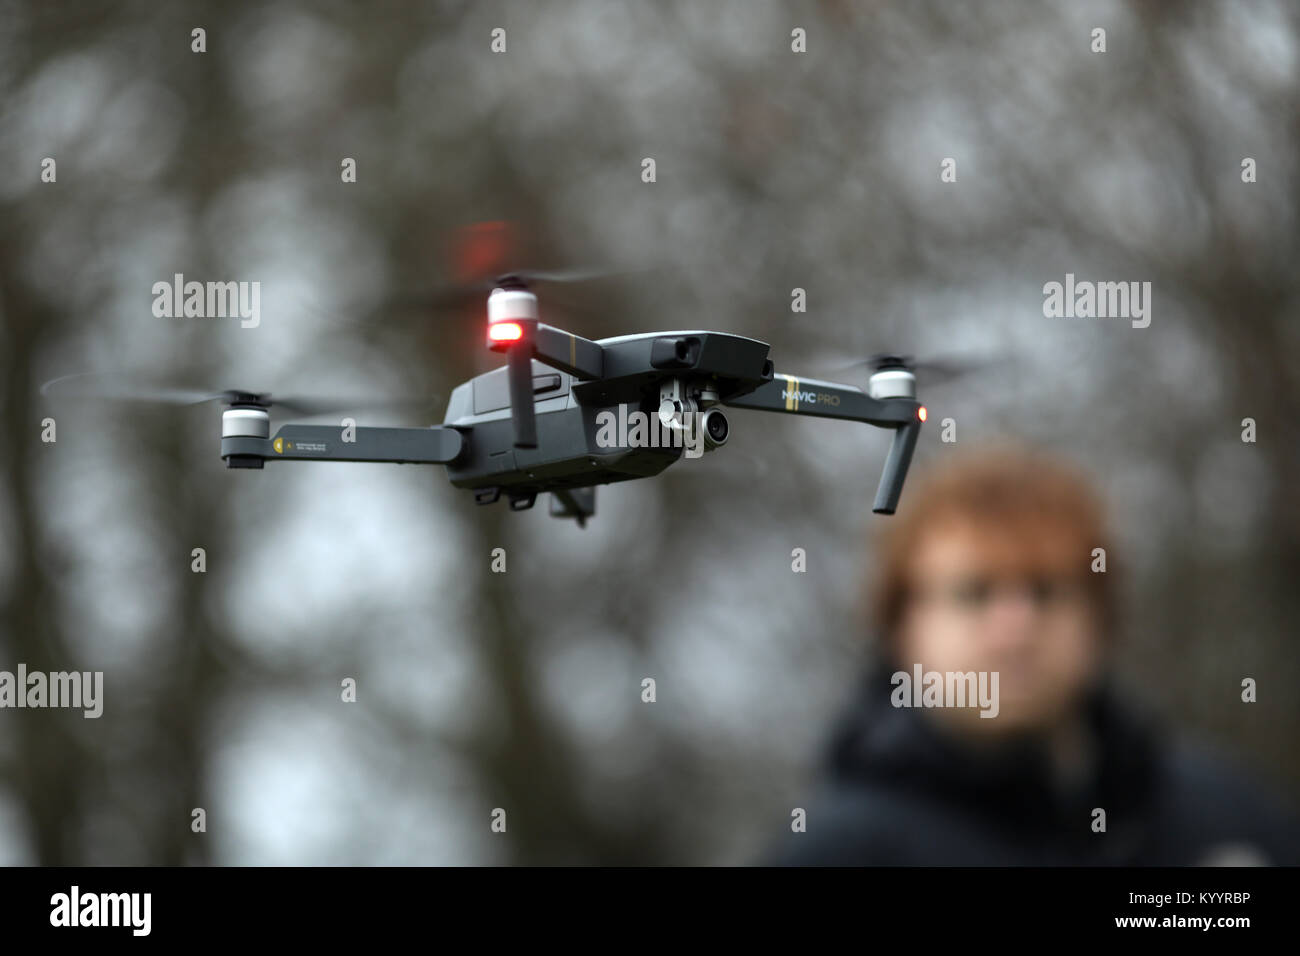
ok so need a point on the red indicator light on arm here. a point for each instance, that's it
(922, 414)
(505, 331)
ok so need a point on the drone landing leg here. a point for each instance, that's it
(891, 479)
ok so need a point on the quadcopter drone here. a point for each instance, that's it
(537, 424)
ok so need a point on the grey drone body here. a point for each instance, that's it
(541, 423)
(574, 447)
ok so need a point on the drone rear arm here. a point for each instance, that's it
(785, 393)
(434, 446)
(513, 328)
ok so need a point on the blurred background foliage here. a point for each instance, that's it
(775, 170)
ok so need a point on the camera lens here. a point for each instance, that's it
(716, 428)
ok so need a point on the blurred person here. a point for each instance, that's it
(989, 729)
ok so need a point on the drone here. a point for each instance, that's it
(538, 423)
(541, 423)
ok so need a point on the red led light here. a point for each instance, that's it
(505, 331)
(922, 414)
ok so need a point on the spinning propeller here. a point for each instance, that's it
(122, 388)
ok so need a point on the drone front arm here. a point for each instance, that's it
(579, 357)
(432, 446)
(785, 393)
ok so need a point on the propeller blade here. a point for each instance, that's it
(310, 405)
(929, 372)
(877, 360)
(121, 388)
(572, 275)
(467, 302)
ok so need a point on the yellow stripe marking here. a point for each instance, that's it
(791, 393)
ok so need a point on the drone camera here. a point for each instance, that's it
(716, 428)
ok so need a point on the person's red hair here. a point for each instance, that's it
(1009, 492)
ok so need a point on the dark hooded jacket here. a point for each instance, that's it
(899, 791)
